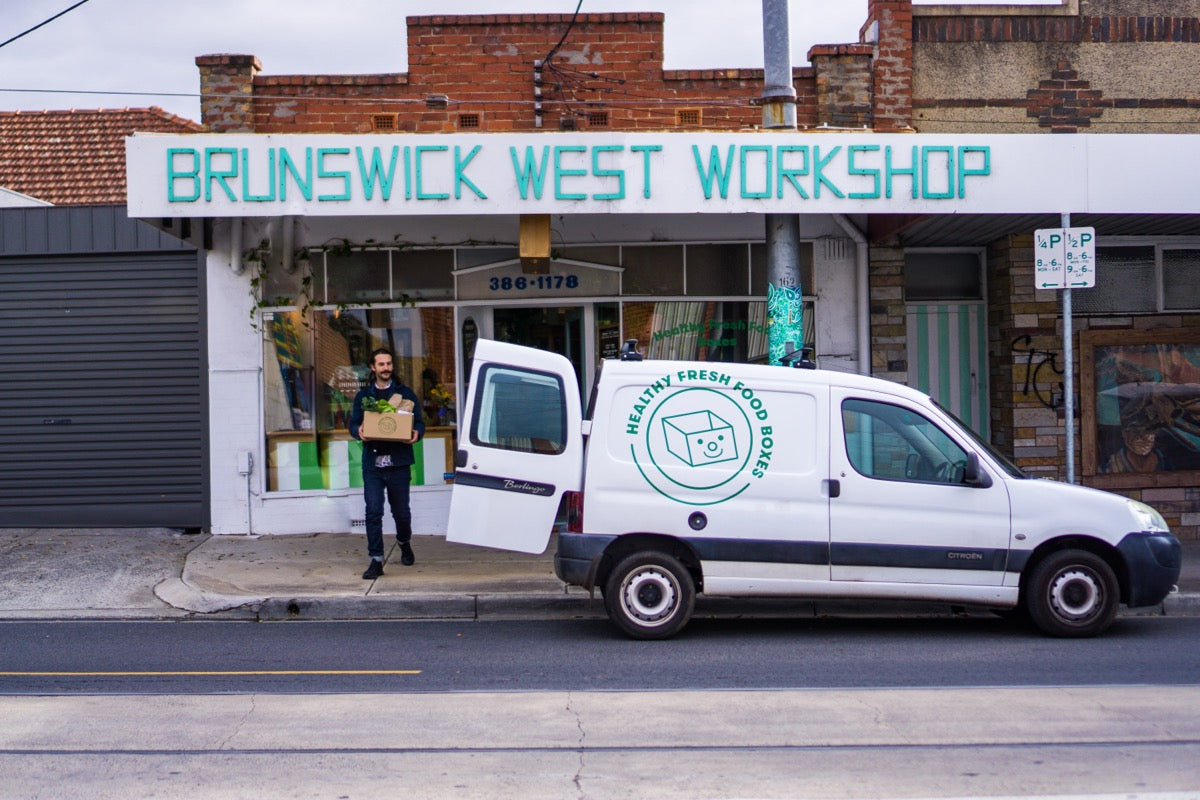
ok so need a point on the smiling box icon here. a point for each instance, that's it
(700, 438)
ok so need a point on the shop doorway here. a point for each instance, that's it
(581, 332)
(556, 329)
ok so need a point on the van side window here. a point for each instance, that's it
(895, 443)
(518, 409)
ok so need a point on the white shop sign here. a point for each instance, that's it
(244, 175)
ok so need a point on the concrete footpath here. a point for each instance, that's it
(159, 573)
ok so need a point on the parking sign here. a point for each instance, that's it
(1065, 258)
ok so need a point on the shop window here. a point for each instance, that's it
(1143, 279)
(373, 276)
(758, 269)
(931, 277)
(1125, 283)
(605, 254)
(423, 274)
(314, 366)
(467, 257)
(279, 287)
(718, 269)
(655, 270)
(288, 409)
(362, 276)
(728, 331)
(1181, 279)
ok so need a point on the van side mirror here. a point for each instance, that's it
(973, 475)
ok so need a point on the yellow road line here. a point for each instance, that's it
(193, 673)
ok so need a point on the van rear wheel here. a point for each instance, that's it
(1073, 593)
(650, 595)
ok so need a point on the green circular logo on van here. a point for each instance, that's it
(696, 445)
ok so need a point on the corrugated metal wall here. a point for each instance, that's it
(103, 391)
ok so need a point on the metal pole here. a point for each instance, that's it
(785, 305)
(779, 90)
(1068, 373)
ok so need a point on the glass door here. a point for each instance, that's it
(556, 329)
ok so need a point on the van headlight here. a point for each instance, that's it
(1146, 519)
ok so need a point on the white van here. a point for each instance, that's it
(742, 480)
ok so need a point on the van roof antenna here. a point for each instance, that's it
(629, 351)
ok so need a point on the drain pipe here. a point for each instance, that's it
(235, 246)
(861, 291)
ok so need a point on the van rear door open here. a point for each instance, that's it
(520, 448)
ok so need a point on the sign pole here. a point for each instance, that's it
(1065, 258)
(1068, 373)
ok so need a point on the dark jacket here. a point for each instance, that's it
(401, 453)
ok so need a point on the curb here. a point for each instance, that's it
(1182, 604)
(180, 594)
(189, 602)
(541, 606)
(430, 607)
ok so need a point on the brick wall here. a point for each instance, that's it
(1027, 358)
(1026, 347)
(889, 22)
(844, 84)
(607, 74)
(889, 339)
(226, 92)
(1042, 70)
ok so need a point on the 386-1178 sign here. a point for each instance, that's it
(1064, 258)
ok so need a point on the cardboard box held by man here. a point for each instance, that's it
(396, 425)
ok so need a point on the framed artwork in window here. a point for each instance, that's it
(1140, 402)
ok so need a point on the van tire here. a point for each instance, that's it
(649, 595)
(1072, 594)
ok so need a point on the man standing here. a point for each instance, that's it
(386, 465)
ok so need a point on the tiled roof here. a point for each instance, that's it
(75, 157)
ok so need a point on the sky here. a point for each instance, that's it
(136, 53)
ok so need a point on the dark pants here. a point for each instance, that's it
(394, 481)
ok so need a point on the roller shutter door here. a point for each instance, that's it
(103, 401)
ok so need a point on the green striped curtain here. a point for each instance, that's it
(947, 358)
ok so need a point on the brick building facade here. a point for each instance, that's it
(1080, 67)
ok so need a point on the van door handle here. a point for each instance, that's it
(460, 458)
(834, 486)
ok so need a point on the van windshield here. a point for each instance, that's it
(984, 445)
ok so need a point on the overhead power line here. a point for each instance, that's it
(43, 22)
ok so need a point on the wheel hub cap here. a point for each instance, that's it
(1076, 594)
(650, 595)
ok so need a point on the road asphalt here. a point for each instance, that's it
(160, 573)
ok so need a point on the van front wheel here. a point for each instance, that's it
(1073, 593)
(650, 595)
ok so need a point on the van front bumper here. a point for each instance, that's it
(577, 557)
(1153, 561)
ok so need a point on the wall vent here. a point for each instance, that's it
(383, 122)
(468, 120)
(836, 249)
(597, 119)
(688, 117)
